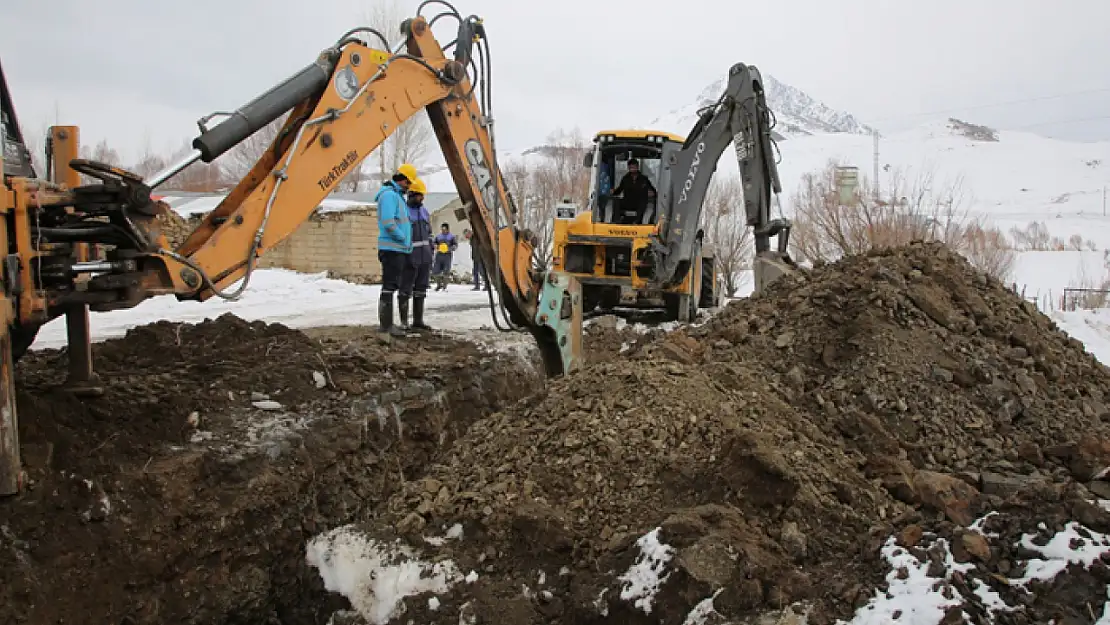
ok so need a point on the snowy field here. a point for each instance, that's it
(294, 299)
(1011, 182)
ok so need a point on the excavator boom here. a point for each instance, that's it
(741, 117)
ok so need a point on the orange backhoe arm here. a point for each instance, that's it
(367, 95)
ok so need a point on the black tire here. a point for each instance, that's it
(674, 302)
(707, 297)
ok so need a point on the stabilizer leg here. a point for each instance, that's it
(11, 464)
(82, 381)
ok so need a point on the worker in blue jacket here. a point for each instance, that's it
(394, 242)
(414, 279)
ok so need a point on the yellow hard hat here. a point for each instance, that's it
(408, 171)
(418, 186)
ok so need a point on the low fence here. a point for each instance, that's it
(1084, 299)
(1066, 299)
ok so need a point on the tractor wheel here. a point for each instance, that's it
(707, 297)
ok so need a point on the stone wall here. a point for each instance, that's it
(343, 244)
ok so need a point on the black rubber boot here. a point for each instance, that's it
(403, 310)
(418, 314)
(385, 317)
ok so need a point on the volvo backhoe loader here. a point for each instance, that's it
(72, 248)
(625, 255)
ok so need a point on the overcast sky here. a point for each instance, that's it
(140, 72)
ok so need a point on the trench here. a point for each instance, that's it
(175, 498)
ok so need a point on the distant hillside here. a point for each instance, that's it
(796, 113)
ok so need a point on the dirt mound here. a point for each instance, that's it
(914, 350)
(187, 492)
(175, 227)
(764, 459)
(741, 484)
(609, 338)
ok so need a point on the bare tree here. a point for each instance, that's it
(237, 162)
(827, 225)
(35, 141)
(149, 164)
(725, 225)
(198, 177)
(544, 177)
(413, 140)
(989, 251)
(1035, 237)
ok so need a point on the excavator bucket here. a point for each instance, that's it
(770, 266)
(559, 320)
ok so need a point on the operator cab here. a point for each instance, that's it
(614, 154)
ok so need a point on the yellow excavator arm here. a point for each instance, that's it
(341, 108)
(72, 248)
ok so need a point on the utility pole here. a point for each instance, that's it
(875, 182)
(1103, 200)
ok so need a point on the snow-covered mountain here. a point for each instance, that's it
(797, 114)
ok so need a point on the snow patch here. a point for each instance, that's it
(915, 597)
(643, 579)
(297, 300)
(454, 532)
(376, 577)
(701, 612)
(1074, 545)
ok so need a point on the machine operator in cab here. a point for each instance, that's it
(634, 190)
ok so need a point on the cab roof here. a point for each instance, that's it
(640, 134)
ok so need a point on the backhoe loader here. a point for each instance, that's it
(654, 254)
(74, 247)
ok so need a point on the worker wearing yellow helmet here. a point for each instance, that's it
(394, 241)
(415, 277)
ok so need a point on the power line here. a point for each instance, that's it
(994, 105)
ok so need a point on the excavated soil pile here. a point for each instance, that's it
(187, 492)
(175, 227)
(608, 338)
(777, 448)
(914, 350)
(738, 480)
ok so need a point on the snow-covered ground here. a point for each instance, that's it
(282, 296)
(314, 300)
(187, 206)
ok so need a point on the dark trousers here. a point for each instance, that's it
(414, 279)
(477, 271)
(442, 264)
(393, 266)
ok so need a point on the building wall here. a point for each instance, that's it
(446, 215)
(343, 244)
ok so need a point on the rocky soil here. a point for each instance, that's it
(187, 492)
(771, 453)
(891, 424)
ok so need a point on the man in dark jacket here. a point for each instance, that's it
(414, 279)
(475, 260)
(634, 190)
